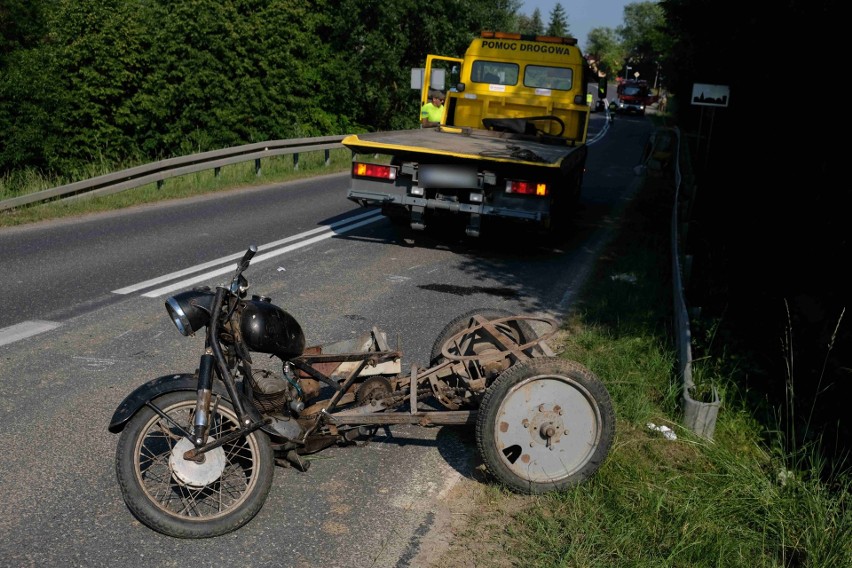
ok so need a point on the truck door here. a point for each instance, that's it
(441, 73)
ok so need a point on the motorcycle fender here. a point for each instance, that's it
(159, 386)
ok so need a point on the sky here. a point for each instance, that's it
(582, 15)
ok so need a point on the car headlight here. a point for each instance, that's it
(190, 310)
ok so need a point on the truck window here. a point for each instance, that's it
(494, 72)
(541, 77)
(633, 91)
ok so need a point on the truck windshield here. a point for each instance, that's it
(633, 91)
(494, 72)
(540, 77)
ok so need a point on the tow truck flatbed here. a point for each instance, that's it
(463, 144)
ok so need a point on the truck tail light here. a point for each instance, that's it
(526, 187)
(363, 169)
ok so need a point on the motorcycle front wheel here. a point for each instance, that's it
(186, 498)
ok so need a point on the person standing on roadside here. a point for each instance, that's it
(433, 111)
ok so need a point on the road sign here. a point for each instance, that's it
(710, 95)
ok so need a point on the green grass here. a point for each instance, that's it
(275, 169)
(732, 501)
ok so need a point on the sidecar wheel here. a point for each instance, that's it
(455, 396)
(183, 498)
(519, 330)
(545, 424)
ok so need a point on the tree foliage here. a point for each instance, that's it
(558, 24)
(21, 24)
(532, 25)
(604, 51)
(643, 39)
(112, 81)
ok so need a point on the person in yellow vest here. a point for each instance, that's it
(432, 112)
(589, 99)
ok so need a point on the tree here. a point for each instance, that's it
(642, 36)
(605, 50)
(780, 274)
(558, 25)
(112, 81)
(22, 24)
(532, 25)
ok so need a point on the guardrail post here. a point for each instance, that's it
(217, 172)
(257, 167)
(295, 161)
(160, 183)
(327, 157)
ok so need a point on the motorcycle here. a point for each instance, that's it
(197, 451)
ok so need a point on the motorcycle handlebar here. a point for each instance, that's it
(241, 267)
(244, 263)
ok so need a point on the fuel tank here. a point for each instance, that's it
(266, 328)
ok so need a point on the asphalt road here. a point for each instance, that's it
(100, 282)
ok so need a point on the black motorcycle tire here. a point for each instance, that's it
(520, 330)
(231, 485)
(546, 424)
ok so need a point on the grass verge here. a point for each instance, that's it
(729, 502)
(273, 170)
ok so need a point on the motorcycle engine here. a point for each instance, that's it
(278, 399)
(270, 393)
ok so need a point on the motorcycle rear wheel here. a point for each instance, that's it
(182, 498)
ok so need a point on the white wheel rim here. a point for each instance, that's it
(547, 428)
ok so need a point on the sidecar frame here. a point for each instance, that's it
(379, 415)
(543, 423)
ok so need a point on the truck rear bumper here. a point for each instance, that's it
(365, 197)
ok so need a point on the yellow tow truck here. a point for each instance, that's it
(511, 143)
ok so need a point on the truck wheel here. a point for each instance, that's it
(397, 215)
(545, 424)
(575, 189)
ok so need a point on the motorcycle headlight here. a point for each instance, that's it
(190, 311)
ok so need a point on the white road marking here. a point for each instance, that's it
(209, 269)
(24, 330)
(27, 329)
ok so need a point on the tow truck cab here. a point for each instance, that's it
(514, 76)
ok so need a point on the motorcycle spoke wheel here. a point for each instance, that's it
(189, 499)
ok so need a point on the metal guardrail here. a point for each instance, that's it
(173, 167)
(698, 415)
(663, 151)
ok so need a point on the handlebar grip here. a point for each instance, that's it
(252, 250)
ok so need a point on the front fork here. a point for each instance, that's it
(201, 422)
(213, 357)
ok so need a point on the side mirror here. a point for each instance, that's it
(460, 87)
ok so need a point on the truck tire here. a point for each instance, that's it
(397, 215)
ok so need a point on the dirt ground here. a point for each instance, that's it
(469, 528)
